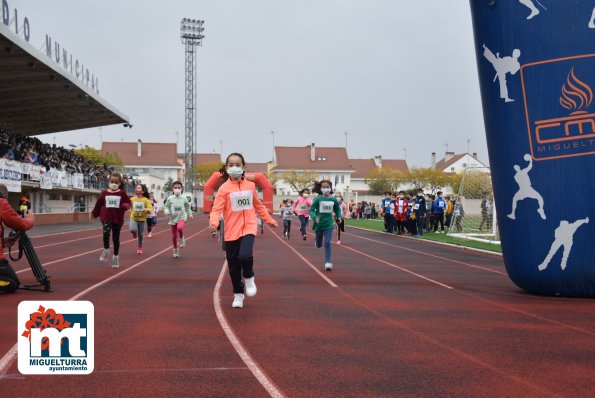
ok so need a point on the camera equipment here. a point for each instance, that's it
(26, 246)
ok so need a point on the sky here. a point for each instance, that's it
(398, 76)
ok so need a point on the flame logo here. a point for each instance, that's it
(576, 94)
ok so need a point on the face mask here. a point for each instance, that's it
(113, 187)
(306, 195)
(420, 194)
(138, 191)
(340, 200)
(325, 191)
(235, 171)
(177, 191)
(401, 196)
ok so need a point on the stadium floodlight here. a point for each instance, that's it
(191, 36)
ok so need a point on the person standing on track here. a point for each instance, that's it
(152, 217)
(321, 212)
(401, 206)
(344, 213)
(141, 206)
(419, 208)
(302, 208)
(388, 209)
(237, 200)
(178, 207)
(110, 208)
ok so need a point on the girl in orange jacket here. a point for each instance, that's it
(238, 202)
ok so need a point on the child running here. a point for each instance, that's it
(302, 204)
(141, 206)
(238, 202)
(110, 208)
(152, 217)
(178, 207)
(344, 213)
(321, 211)
(286, 213)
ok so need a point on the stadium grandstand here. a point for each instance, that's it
(41, 95)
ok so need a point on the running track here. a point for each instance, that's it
(395, 317)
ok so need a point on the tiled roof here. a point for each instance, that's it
(363, 167)
(299, 158)
(256, 167)
(205, 158)
(443, 164)
(152, 154)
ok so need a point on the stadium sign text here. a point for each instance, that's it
(52, 48)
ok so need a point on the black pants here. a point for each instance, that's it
(438, 217)
(389, 221)
(240, 260)
(401, 227)
(286, 227)
(114, 229)
(151, 221)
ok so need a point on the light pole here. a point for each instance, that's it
(273, 135)
(345, 140)
(191, 36)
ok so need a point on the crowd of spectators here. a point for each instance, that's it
(32, 150)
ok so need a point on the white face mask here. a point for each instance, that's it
(325, 191)
(235, 171)
(305, 195)
(113, 187)
(177, 191)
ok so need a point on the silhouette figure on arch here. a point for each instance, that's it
(526, 191)
(529, 4)
(564, 235)
(592, 21)
(503, 66)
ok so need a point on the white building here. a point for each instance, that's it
(364, 167)
(327, 163)
(452, 163)
(152, 163)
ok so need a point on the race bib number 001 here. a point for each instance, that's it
(139, 206)
(326, 207)
(241, 200)
(112, 202)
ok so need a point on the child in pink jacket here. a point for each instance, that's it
(238, 201)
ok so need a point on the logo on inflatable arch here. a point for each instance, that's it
(558, 98)
(56, 337)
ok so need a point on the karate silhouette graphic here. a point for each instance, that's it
(526, 191)
(592, 21)
(564, 235)
(503, 66)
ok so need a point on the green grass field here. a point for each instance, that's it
(378, 225)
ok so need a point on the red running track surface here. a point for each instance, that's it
(395, 317)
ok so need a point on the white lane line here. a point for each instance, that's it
(304, 259)
(62, 233)
(428, 254)
(9, 357)
(84, 253)
(397, 267)
(256, 370)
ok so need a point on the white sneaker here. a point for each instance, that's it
(328, 266)
(250, 287)
(104, 255)
(182, 243)
(176, 253)
(116, 262)
(238, 300)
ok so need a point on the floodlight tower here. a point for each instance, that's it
(191, 35)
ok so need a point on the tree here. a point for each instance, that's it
(96, 157)
(429, 178)
(167, 187)
(299, 180)
(381, 180)
(202, 172)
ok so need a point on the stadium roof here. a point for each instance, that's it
(38, 96)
